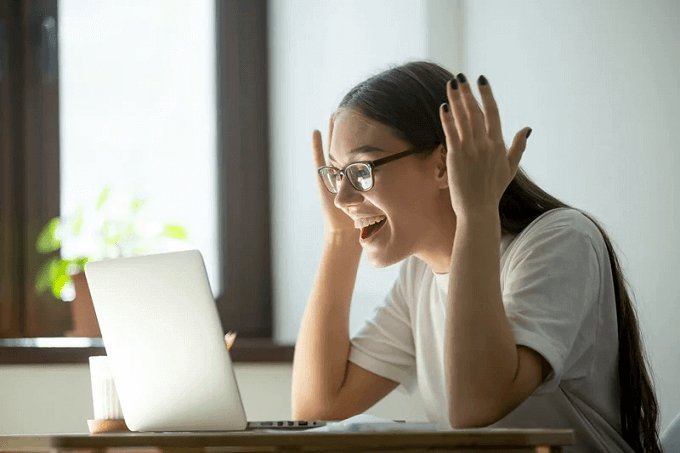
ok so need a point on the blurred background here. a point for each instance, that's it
(189, 122)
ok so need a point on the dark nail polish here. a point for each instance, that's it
(454, 84)
(461, 78)
(528, 133)
(445, 106)
(482, 80)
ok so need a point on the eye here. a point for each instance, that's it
(361, 175)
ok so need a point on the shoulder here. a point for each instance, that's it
(562, 225)
(565, 237)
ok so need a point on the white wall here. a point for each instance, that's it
(57, 398)
(318, 51)
(597, 82)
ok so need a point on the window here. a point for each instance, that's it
(36, 173)
(138, 119)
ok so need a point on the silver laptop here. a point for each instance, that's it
(165, 344)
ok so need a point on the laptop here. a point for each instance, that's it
(165, 344)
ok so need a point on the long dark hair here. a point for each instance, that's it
(407, 99)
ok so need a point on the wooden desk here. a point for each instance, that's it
(469, 440)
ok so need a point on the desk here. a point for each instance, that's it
(468, 440)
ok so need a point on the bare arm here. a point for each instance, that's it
(325, 384)
(483, 390)
(487, 374)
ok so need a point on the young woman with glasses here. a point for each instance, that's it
(510, 309)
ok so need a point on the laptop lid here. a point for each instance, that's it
(165, 343)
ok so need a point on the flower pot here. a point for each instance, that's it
(82, 311)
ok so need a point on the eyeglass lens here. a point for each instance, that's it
(359, 175)
(330, 178)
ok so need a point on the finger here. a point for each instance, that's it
(319, 159)
(519, 144)
(449, 126)
(458, 111)
(331, 123)
(471, 107)
(229, 339)
(491, 116)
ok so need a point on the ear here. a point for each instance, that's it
(441, 175)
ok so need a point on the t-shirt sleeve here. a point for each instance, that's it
(384, 345)
(551, 285)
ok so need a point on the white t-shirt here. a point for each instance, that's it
(558, 296)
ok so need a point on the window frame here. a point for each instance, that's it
(30, 198)
(243, 168)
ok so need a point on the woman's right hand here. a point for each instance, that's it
(336, 221)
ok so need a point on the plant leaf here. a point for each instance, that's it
(80, 262)
(103, 196)
(42, 279)
(174, 232)
(136, 205)
(58, 275)
(48, 241)
(78, 222)
(59, 283)
(110, 232)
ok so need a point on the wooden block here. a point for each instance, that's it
(107, 426)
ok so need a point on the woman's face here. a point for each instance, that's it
(409, 195)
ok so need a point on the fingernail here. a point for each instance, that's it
(482, 80)
(445, 106)
(461, 78)
(528, 133)
(453, 83)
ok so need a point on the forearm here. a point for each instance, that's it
(322, 347)
(480, 352)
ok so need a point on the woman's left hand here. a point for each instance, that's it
(478, 164)
(229, 339)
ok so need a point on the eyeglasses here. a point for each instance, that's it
(359, 174)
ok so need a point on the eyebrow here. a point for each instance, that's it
(360, 149)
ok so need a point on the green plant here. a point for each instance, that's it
(109, 229)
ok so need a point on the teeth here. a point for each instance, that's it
(366, 221)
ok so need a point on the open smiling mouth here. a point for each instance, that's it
(370, 230)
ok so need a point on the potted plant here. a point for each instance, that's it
(111, 228)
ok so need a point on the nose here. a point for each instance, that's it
(347, 195)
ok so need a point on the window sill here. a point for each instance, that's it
(74, 350)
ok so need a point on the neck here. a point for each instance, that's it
(437, 251)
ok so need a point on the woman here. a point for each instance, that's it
(510, 309)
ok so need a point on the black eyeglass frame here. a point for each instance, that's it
(371, 165)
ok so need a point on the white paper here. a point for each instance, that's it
(371, 423)
(104, 395)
